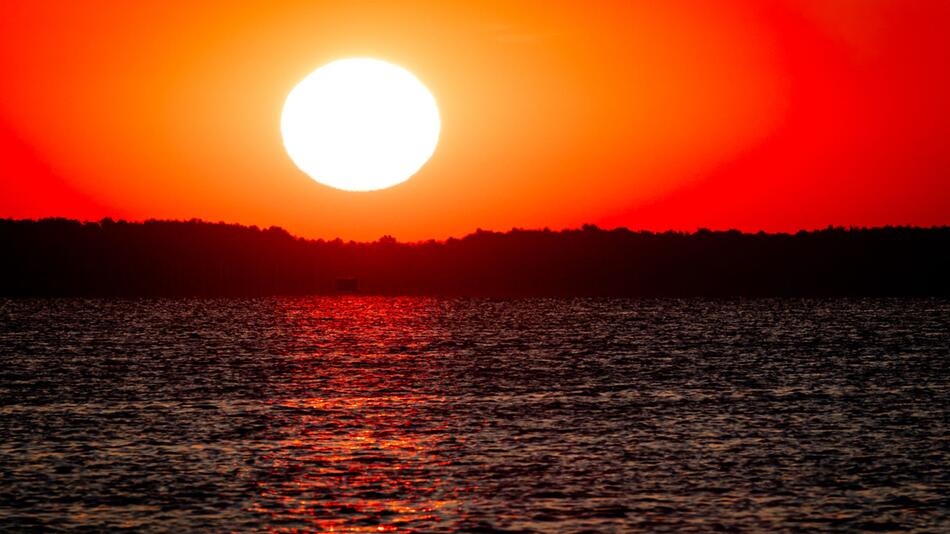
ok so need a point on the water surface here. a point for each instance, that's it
(416, 414)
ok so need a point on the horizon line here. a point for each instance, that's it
(587, 227)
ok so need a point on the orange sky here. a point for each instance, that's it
(754, 114)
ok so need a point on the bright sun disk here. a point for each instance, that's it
(360, 124)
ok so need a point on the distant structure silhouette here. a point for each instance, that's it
(59, 257)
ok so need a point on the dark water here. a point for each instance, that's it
(364, 414)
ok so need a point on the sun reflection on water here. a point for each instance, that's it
(362, 454)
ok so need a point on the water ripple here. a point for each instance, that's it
(415, 414)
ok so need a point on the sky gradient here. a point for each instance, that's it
(769, 115)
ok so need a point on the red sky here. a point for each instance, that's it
(749, 114)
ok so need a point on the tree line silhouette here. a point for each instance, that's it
(60, 257)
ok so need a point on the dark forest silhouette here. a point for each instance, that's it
(59, 257)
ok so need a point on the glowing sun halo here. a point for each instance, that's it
(360, 124)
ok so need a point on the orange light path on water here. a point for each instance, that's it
(358, 459)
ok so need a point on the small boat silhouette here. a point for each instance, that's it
(347, 285)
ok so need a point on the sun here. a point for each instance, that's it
(360, 124)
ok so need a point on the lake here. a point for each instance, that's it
(418, 414)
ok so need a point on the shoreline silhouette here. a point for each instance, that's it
(66, 258)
